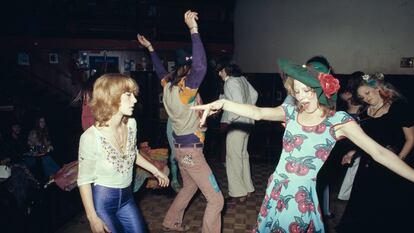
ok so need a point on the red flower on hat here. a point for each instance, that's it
(330, 85)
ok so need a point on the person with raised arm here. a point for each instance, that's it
(312, 129)
(180, 92)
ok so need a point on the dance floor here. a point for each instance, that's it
(238, 218)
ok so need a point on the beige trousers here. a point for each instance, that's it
(237, 162)
(196, 174)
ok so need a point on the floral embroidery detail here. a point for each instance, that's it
(121, 162)
(188, 160)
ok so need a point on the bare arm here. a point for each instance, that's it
(379, 153)
(246, 110)
(409, 142)
(162, 178)
(97, 225)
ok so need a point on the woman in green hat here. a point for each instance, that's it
(312, 129)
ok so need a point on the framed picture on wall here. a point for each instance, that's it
(104, 64)
(23, 59)
(53, 58)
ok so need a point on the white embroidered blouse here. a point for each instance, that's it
(103, 164)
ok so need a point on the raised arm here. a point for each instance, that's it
(199, 60)
(379, 153)
(158, 66)
(246, 110)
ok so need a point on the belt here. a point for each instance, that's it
(189, 145)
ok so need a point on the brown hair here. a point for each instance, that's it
(289, 86)
(177, 75)
(106, 95)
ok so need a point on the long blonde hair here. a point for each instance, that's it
(106, 97)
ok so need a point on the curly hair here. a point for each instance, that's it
(106, 95)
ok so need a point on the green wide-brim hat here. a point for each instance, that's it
(309, 75)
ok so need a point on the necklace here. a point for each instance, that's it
(371, 109)
(121, 142)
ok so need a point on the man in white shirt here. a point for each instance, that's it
(239, 90)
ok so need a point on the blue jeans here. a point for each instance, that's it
(117, 208)
(173, 162)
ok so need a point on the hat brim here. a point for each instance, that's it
(308, 77)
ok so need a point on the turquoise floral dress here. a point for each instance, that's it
(291, 202)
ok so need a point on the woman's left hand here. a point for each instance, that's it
(162, 178)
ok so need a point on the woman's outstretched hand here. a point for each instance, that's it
(209, 109)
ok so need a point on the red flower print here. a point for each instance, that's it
(330, 85)
(291, 167)
(275, 194)
(322, 154)
(320, 129)
(263, 211)
(294, 227)
(303, 170)
(300, 196)
(308, 129)
(288, 146)
(280, 205)
(303, 207)
(311, 227)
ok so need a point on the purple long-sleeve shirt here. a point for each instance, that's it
(191, 82)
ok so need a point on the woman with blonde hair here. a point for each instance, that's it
(107, 153)
(312, 129)
(389, 121)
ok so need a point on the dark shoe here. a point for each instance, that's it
(177, 228)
